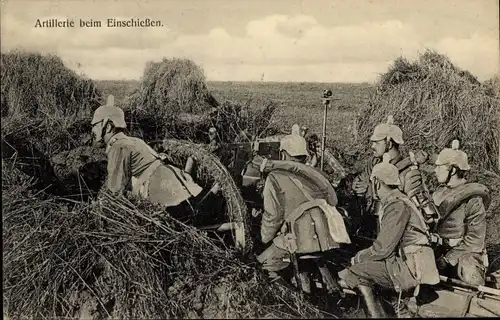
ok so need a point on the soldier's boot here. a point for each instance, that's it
(372, 304)
(495, 276)
(400, 306)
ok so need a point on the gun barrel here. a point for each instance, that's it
(465, 285)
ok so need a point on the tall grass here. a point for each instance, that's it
(44, 102)
(124, 259)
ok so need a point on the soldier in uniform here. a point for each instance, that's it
(401, 257)
(313, 150)
(461, 231)
(135, 167)
(386, 139)
(291, 195)
(303, 131)
(213, 145)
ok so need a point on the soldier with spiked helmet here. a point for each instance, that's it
(461, 231)
(387, 139)
(133, 166)
(298, 202)
(401, 257)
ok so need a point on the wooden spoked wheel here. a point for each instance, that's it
(220, 207)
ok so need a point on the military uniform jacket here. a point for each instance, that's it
(465, 225)
(281, 196)
(403, 165)
(400, 228)
(130, 158)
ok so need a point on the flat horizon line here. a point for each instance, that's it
(250, 81)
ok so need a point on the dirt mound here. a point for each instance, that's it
(434, 102)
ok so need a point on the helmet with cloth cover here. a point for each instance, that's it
(111, 113)
(388, 131)
(294, 144)
(453, 157)
(386, 172)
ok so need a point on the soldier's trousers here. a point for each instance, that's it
(470, 269)
(367, 273)
(272, 258)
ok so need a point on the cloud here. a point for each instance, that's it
(283, 47)
(478, 54)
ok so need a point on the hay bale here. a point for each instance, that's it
(434, 102)
(42, 100)
(46, 109)
(122, 259)
(172, 86)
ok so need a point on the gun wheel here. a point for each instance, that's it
(221, 202)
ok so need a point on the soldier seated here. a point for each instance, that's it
(461, 231)
(298, 217)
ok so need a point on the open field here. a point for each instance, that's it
(301, 103)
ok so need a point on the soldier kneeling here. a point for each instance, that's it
(401, 257)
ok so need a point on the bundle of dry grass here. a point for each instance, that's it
(115, 258)
(46, 109)
(172, 86)
(434, 102)
(43, 101)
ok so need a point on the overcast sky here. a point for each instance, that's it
(277, 40)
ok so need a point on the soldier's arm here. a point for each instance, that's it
(361, 184)
(119, 170)
(213, 146)
(475, 231)
(314, 160)
(272, 217)
(393, 225)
